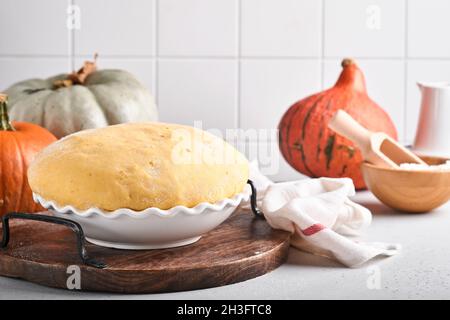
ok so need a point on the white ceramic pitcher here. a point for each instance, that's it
(433, 131)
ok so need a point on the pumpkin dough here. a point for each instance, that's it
(137, 166)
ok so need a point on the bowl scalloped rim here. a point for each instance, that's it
(198, 209)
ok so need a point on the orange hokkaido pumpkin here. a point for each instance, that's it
(311, 148)
(19, 142)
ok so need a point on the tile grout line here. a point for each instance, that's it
(239, 46)
(322, 58)
(405, 75)
(71, 42)
(156, 52)
(150, 57)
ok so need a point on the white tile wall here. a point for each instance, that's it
(270, 87)
(116, 27)
(271, 162)
(364, 28)
(236, 63)
(193, 90)
(197, 27)
(428, 26)
(33, 27)
(283, 28)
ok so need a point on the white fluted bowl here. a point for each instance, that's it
(151, 228)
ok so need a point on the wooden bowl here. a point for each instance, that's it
(409, 190)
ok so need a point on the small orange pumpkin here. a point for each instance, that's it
(19, 142)
(311, 148)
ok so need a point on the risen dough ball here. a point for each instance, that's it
(138, 166)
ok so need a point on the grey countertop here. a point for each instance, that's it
(421, 270)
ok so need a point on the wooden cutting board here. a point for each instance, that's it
(241, 248)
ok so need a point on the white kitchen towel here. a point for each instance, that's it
(320, 215)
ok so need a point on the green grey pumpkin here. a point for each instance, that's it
(99, 99)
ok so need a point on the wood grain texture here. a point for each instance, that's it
(409, 190)
(241, 248)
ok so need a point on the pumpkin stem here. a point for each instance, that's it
(346, 62)
(351, 76)
(5, 125)
(79, 76)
